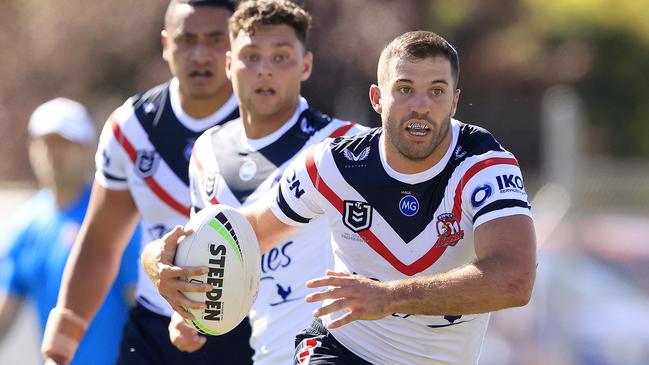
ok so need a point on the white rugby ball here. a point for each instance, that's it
(224, 241)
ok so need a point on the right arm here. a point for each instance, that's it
(93, 262)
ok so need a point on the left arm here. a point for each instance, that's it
(502, 276)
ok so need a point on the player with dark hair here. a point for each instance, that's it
(142, 173)
(238, 162)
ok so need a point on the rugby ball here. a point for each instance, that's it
(224, 241)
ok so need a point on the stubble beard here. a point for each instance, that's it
(417, 151)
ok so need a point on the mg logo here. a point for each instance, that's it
(357, 216)
(409, 205)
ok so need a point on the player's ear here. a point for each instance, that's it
(375, 98)
(228, 65)
(164, 39)
(456, 98)
(307, 61)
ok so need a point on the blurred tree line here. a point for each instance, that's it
(511, 51)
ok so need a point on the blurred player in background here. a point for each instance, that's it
(142, 164)
(62, 138)
(238, 162)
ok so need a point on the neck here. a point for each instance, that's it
(202, 107)
(405, 165)
(64, 195)
(258, 125)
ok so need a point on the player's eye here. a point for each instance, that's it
(437, 91)
(280, 58)
(405, 90)
(250, 57)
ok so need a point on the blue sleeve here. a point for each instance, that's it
(12, 271)
(128, 270)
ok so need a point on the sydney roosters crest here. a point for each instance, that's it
(448, 230)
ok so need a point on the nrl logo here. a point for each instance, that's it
(360, 157)
(146, 163)
(210, 182)
(357, 215)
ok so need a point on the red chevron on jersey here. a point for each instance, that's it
(437, 250)
(150, 180)
(457, 201)
(342, 130)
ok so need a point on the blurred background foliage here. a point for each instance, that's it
(511, 51)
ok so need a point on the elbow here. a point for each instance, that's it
(519, 289)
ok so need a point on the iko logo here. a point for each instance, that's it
(361, 156)
(357, 215)
(294, 185)
(510, 183)
(146, 163)
(409, 205)
(481, 194)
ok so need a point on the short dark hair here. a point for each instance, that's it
(418, 45)
(230, 5)
(253, 13)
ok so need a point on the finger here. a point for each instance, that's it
(336, 273)
(175, 272)
(188, 287)
(188, 330)
(343, 320)
(191, 344)
(331, 293)
(332, 307)
(188, 271)
(182, 311)
(329, 281)
(170, 243)
(179, 299)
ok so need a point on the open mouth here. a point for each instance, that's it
(200, 75)
(265, 91)
(418, 129)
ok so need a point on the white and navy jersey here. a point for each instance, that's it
(145, 148)
(390, 226)
(228, 168)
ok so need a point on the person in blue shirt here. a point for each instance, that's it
(42, 231)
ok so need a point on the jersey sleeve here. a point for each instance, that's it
(14, 271)
(296, 201)
(494, 189)
(10, 278)
(111, 160)
(195, 182)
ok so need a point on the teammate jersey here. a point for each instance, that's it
(229, 168)
(40, 238)
(145, 148)
(391, 226)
